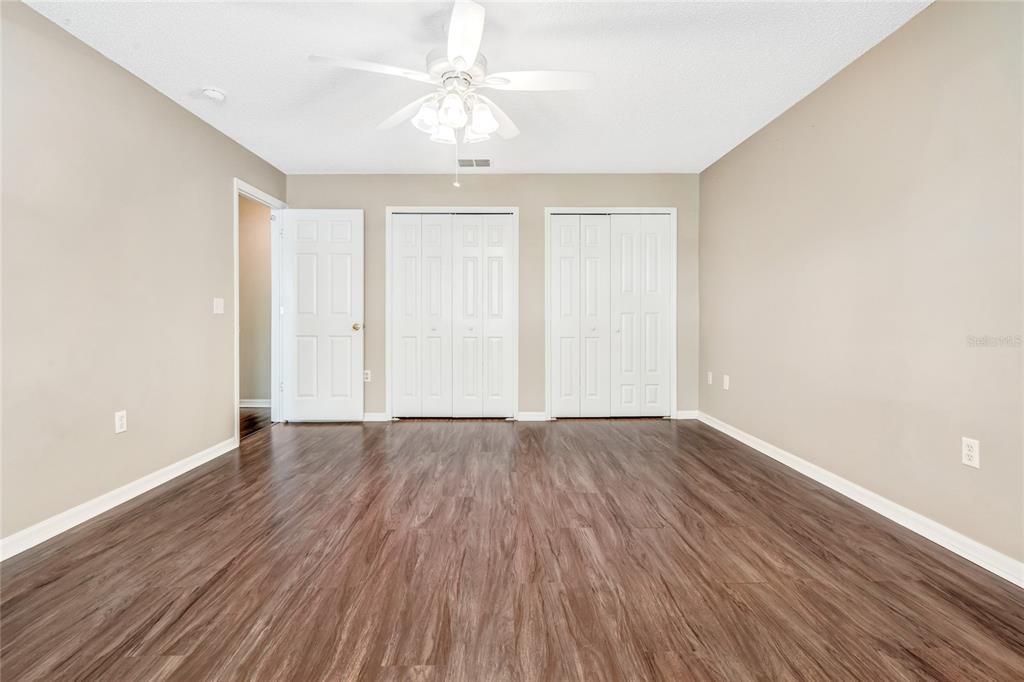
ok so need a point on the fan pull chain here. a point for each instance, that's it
(456, 183)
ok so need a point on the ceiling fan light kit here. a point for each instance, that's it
(457, 73)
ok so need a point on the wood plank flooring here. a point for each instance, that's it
(480, 551)
(252, 419)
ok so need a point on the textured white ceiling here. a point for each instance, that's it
(679, 84)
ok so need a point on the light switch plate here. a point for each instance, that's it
(218, 306)
(711, 378)
(725, 381)
(120, 421)
(366, 376)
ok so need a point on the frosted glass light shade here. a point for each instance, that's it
(444, 135)
(452, 112)
(484, 122)
(426, 118)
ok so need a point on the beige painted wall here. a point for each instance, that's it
(531, 194)
(850, 248)
(253, 299)
(117, 207)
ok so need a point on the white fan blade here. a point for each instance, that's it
(405, 113)
(464, 33)
(540, 80)
(372, 67)
(506, 128)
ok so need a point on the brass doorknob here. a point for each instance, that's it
(356, 327)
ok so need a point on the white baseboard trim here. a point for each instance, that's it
(687, 414)
(48, 528)
(532, 417)
(254, 402)
(990, 559)
(375, 417)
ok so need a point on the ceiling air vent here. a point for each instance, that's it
(474, 163)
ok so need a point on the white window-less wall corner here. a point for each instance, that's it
(452, 311)
(610, 312)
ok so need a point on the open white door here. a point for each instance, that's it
(322, 314)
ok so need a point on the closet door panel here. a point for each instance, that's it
(655, 331)
(625, 305)
(497, 303)
(467, 315)
(436, 316)
(595, 369)
(564, 272)
(406, 384)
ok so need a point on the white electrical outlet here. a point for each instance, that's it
(366, 376)
(725, 381)
(711, 378)
(970, 452)
(218, 306)
(120, 421)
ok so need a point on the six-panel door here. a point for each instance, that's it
(610, 279)
(322, 314)
(453, 313)
(640, 321)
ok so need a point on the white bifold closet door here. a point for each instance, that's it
(453, 315)
(421, 315)
(580, 315)
(611, 334)
(641, 332)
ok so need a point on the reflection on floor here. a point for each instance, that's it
(252, 419)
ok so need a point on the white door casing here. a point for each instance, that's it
(322, 314)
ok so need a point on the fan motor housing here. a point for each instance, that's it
(439, 67)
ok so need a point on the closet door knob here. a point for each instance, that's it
(356, 327)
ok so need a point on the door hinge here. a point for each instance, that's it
(280, 387)
(273, 217)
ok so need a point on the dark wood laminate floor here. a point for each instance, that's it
(252, 419)
(479, 551)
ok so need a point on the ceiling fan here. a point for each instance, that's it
(458, 73)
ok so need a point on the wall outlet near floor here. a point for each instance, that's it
(366, 376)
(970, 452)
(725, 381)
(218, 306)
(120, 421)
(711, 378)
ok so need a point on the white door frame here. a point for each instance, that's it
(388, 276)
(241, 188)
(673, 294)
